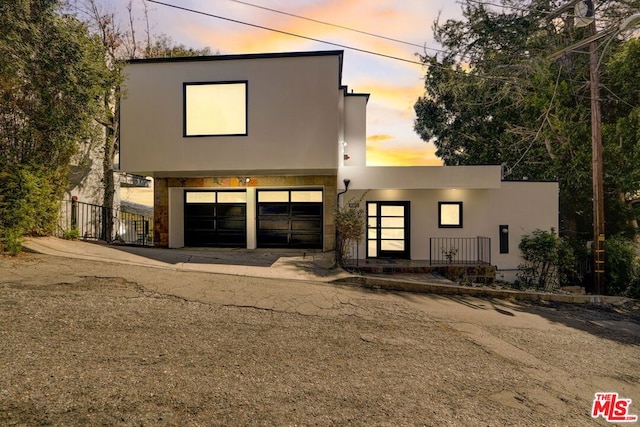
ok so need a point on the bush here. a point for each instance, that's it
(548, 260)
(622, 267)
(10, 242)
(350, 226)
(71, 234)
(29, 204)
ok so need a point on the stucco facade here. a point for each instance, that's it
(272, 177)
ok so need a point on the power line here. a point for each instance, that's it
(343, 27)
(285, 32)
(473, 75)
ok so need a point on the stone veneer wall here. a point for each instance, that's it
(161, 198)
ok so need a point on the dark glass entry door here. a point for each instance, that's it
(388, 230)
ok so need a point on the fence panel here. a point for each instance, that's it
(88, 222)
(459, 250)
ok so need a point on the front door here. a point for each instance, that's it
(388, 230)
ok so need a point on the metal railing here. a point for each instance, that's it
(89, 222)
(459, 250)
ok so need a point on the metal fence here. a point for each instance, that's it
(459, 250)
(89, 222)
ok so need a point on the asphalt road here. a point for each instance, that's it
(87, 343)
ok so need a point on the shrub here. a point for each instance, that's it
(350, 226)
(71, 234)
(548, 260)
(10, 242)
(622, 269)
(29, 203)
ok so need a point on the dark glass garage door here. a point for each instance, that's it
(290, 219)
(215, 219)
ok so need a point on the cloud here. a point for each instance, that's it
(376, 138)
(390, 155)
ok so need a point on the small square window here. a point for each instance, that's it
(450, 214)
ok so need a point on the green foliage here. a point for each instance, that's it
(547, 261)
(51, 75)
(622, 267)
(492, 97)
(29, 203)
(71, 234)
(350, 226)
(10, 241)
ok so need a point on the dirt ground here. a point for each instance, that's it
(88, 343)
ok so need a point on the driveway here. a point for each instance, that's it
(86, 342)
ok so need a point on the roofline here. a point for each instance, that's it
(237, 57)
(345, 92)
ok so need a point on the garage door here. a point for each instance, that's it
(290, 219)
(215, 219)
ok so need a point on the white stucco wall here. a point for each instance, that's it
(355, 130)
(420, 177)
(523, 206)
(293, 116)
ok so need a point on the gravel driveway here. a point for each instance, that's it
(88, 343)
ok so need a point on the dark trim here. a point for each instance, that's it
(440, 225)
(218, 236)
(345, 93)
(380, 253)
(503, 238)
(529, 180)
(339, 53)
(268, 237)
(227, 82)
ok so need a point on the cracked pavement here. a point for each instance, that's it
(87, 342)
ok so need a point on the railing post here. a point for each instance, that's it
(74, 212)
(103, 223)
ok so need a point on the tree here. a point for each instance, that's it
(493, 97)
(51, 74)
(120, 42)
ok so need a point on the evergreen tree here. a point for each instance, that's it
(494, 97)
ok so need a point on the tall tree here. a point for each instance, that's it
(51, 73)
(121, 41)
(494, 97)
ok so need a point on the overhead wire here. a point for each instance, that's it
(342, 27)
(284, 32)
(211, 15)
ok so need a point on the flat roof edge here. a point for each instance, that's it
(300, 54)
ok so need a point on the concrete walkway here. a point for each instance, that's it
(284, 264)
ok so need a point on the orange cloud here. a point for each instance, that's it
(395, 155)
(238, 38)
(376, 138)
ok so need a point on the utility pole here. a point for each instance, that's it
(596, 133)
(597, 171)
(596, 130)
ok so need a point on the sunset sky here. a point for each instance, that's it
(394, 85)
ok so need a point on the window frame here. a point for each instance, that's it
(460, 215)
(185, 111)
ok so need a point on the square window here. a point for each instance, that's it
(450, 214)
(215, 109)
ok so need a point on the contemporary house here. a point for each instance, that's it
(254, 151)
